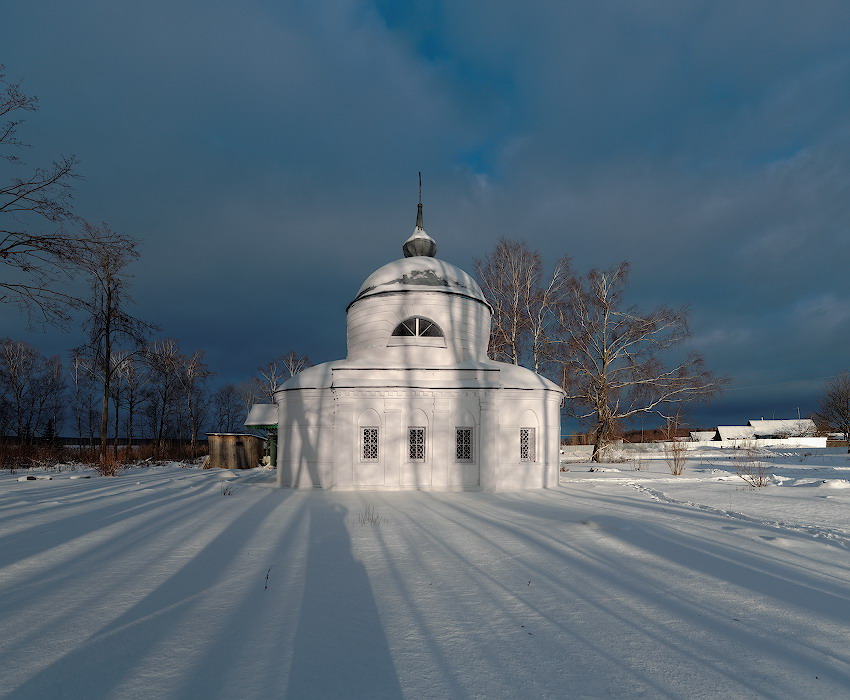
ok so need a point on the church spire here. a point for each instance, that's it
(420, 243)
(419, 210)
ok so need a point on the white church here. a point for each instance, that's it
(417, 404)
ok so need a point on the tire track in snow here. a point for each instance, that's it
(838, 537)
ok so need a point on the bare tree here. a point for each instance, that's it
(524, 309)
(31, 388)
(108, 320)
(55, 389)
(163, 390)
(228, 409)
(82, 397)
(134, 380)
(19, 365)
(36, 249)
(193, 374)
(250, 392)
(834, 408)
(6, 413)
(275, 372)
(611, 366)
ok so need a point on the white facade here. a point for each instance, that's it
(417, 404)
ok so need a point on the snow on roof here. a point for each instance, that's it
(506, 376)
(250, 435)
(420, 273)
(419, 243)
(699, 435)
(736, 432)
(800, 427)
(262, 414)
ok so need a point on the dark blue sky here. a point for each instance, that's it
(265, 153)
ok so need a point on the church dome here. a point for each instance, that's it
(420, 271)
(420, 274)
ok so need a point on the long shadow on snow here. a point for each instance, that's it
(340, 647)
(96, 666)
(39, 538)
(480, 576)
(738, 567)
(147, 530)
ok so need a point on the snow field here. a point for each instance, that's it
(616, 584)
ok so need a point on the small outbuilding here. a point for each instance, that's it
(263, 416)
(235, 450)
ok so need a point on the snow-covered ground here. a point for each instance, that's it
(181, 583)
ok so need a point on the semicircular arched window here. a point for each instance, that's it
(418, 327)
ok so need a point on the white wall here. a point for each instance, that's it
(465, 324)
(320, 432)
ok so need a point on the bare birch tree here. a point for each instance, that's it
(275, 372)
(524, 308)
(611, 368)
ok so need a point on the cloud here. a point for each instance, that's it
(824, 314)
(269, 152)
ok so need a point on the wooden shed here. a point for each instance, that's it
(235, 450)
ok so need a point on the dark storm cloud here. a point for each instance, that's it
(266, 155)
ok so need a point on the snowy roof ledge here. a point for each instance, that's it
(262, 414)
(736, 432)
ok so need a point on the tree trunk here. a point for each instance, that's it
(130, 423)
(598, 442)
(115, 441)
(107, 371)
(104, 420)
(602, 433)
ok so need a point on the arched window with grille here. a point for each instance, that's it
(418, 327)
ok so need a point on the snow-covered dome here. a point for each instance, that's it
(418, 311)
(420, 273)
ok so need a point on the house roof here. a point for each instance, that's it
(736, 432)
(801, 427)
(262, 414)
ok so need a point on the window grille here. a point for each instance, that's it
(370, 444)
(527, 444)
(463, 444)
(419, 327)
(416, 444)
